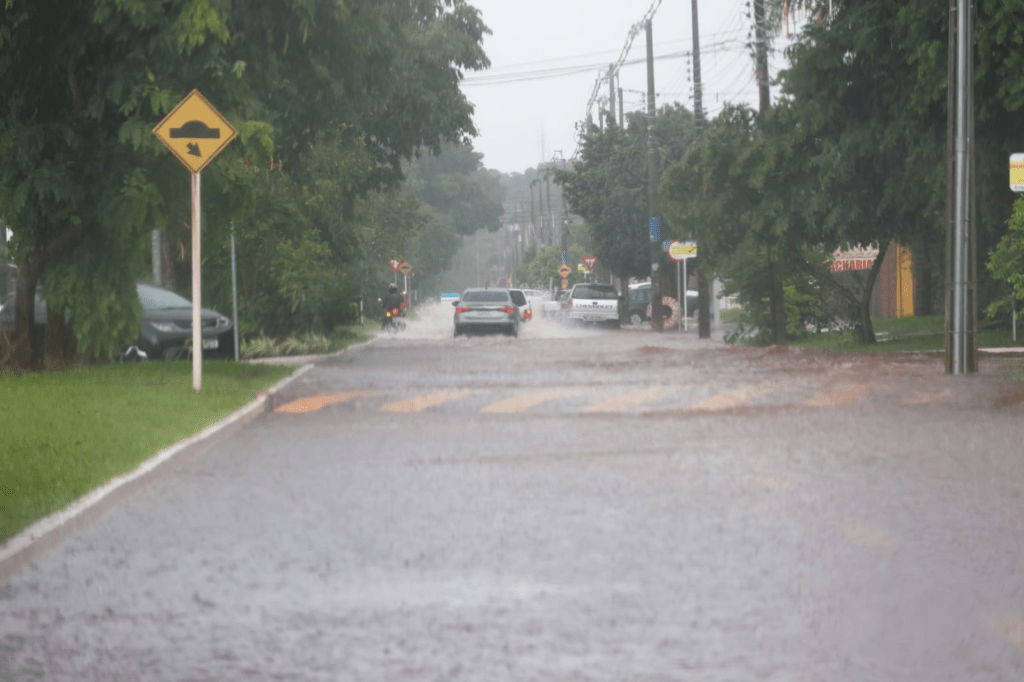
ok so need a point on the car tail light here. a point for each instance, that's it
(461, 309)
(529, 314)
(394, 311)
(508, 309)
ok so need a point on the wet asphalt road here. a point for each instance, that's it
(568, 505)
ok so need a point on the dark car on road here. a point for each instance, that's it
(639, 299)
(167, 326)
(486, 310)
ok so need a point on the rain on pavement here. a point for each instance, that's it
(574, 504)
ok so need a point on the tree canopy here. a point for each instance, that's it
(328, 98)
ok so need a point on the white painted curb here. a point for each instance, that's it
(21, 543)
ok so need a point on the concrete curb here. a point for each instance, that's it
(53, 529)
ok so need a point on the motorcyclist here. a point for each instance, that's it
(391, 300)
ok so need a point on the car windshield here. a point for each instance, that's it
(485, 297)
(518, 297)
(153, 298)
(591, 291)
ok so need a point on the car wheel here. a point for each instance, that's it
(635, 319)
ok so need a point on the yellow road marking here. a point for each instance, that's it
(725, 401)
(1009, 626)
(625, 401)
(865, 534)
(838, 397)
(922, 398)
(771, 483)
(422, 402)
(319, 402)
(520, 403)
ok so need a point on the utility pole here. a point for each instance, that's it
(551, 216)
(703, 291)
(657, 320)
(621, 112)
(776, 300)
(565, 224)
(611, 92)
(532, 218)
(961, 276)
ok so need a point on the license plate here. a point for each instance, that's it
(209, 344)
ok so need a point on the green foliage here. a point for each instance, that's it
(609, 185)
(539, 271)
(83, 180)
(268, 347)
(460, 197)
(103, 421)
(1006, 261)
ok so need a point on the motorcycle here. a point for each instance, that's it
(394, 321)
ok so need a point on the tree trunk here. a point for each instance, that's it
(28, 344)
(776, 305)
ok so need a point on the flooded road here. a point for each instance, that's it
(574, 504)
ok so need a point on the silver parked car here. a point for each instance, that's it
(486, 310)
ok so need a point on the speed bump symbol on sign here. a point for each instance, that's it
(564, 270)
(195, 131)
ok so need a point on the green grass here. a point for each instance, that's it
(65, 433)
(349, 335)
(905, 334)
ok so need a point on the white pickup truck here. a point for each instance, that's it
(598, 303)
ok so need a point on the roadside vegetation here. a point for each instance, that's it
(318, 189)
(66, 433)
(850, 155)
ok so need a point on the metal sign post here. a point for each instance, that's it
(192, 131)
(234, 288)
(679, 252)
(197, 311)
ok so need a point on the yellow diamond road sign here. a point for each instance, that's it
(564, 270)
(195, 131)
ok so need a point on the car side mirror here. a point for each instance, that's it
(455, 304)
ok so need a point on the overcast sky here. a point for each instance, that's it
(546, 56)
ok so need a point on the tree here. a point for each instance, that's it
(84, 180)
(608, 186)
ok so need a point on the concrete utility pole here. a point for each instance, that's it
(961, 276)
(621, 111)
(776, 300)
(533, 220)
(657, 320)
(703, 290)
(611, 92)
(551, 216)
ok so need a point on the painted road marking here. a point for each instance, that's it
(422, 402)
(840, 396)
(771, 483)
(524, 402)
(623, 402)
(725, 401)
(318, 402)
(1009, 626)
(865, 534)
(923, 398)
